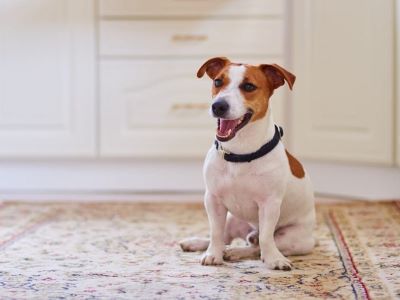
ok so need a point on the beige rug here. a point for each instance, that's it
(130, 251)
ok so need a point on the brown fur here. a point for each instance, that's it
(213, 67)
(277, 75)
(295, 166)
(225, 79)
(257, 100)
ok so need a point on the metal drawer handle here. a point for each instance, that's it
(180, 106)
(189, 38)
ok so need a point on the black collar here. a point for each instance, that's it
(265, 149)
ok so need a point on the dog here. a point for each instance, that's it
(255, 189)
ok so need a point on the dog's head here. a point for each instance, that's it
(241, 92)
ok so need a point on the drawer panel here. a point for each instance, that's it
(149, 94)
(192, 37)
(189, 8)
(154, 108)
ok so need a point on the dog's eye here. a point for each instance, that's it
(218, 82)
(248, 87)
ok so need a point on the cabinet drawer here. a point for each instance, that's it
(155, 94)
(192, 37)
(154, 108)
(190, 7)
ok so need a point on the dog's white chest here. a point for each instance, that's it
(242, 207)
(241, 187)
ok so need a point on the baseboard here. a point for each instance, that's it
(154, 180)
(355, 181)
(92, 197)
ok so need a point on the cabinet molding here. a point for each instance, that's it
(83, 178)
(343, 103)
(47, 78)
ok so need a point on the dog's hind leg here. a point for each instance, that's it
(194, 244)
(239, 253)
(252, 251)
(295, 239)
(234, 228)
(290, 240)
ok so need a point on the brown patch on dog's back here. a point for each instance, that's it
(295, 166)
(257, 100)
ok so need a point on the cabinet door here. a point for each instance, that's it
(343, 103)
(153, 108)
(46, 78)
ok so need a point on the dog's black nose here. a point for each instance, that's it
(220, 108)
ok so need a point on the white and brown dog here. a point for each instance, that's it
(254, 188)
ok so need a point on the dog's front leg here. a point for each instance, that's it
(216, 212)
(269, 212)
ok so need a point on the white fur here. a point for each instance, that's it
(232, 95)
(262, 194)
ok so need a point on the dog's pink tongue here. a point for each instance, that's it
(225, 125)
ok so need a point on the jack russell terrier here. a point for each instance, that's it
(255, 189)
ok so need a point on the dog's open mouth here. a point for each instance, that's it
(227, 129)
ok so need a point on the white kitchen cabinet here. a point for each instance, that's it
(47, 72)
(343, 104)
(112, 80)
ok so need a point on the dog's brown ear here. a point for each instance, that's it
(277, 75)
(212, 67)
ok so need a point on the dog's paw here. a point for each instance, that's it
(239, 253)
(209, 259)
(194, 244)
(277, 262)
(232, 255)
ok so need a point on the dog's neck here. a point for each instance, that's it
(251, 137)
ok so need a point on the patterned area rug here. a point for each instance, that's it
(130, 251)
